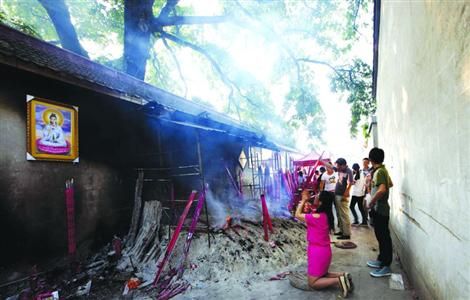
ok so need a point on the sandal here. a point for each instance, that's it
(343, 284)
(349, 281)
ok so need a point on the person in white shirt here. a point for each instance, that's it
(328, 180)
(328, 183)
(358, 192)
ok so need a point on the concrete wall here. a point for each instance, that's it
(424, 127)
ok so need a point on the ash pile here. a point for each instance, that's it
(153, 263)
(239, 253)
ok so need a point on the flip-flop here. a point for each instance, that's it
(345, 245)
(349, 281)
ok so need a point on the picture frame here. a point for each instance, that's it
(52, 130)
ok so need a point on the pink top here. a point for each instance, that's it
(317, 230)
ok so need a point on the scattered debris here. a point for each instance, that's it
(396, 282)
(228, 223)
(84, 290)
(280, 276)
(131, 284)
(48, 296)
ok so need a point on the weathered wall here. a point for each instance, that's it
(115, 137)
(424, 127)
(32, 205)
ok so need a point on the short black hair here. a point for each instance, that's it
(377, 155)
(341, 161)
(322, 169)
(365, 158)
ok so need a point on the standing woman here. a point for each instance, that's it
(319, 223)
(358, 193)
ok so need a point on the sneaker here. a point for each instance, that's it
(376, 264)
(356, 223)
(344, 237)
(338, 233)
(385, 271)
(364, 225)
(343, 286)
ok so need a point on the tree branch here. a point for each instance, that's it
(168, 8)
(175, 60)
(319, 62)
(229, 83)
(59, 14)
(274, 37)
(188, 20)
(156, 65)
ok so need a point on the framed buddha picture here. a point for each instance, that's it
(52, 130)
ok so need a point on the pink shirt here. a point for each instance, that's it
(317, 230)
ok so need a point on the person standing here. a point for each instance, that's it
(357, 195)
(380, 209)
(343, 186)
(328, 181)
(322, 171)
(367, 172)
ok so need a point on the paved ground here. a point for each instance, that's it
(353, 261)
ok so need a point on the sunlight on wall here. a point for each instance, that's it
(465, 74)
(404, 101)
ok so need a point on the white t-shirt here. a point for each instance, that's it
(329, 181)
(358, 189)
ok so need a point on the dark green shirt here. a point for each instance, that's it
(381, 177)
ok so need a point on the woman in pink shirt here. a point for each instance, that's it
(319, 223)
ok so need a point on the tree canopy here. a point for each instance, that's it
(259, 59)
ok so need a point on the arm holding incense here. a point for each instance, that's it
(300, 208)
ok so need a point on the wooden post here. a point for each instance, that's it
(137, 207)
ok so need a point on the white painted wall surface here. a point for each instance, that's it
(423, 96)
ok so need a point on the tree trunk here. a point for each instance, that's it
(59, 14)
(138, 17)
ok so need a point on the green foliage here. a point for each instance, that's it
(29, 17)
(324, 30)
(356, 80)
(18, 24)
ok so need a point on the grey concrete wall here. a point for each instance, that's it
(424, 127)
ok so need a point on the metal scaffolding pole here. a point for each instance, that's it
(203, 183)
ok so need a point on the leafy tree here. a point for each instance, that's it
(304, 35)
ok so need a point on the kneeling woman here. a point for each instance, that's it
(319, 223)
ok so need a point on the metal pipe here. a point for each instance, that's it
(199, 156)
